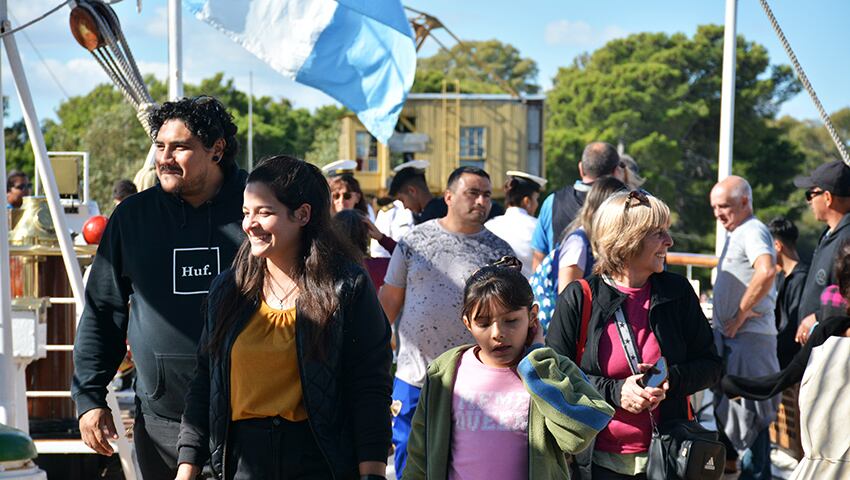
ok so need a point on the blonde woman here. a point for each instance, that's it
(662, 312)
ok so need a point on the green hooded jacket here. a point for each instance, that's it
(565, 414)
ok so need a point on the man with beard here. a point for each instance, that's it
(159, 253)
(423, 288)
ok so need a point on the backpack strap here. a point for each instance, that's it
(587, 298)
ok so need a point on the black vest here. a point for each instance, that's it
(565, 207)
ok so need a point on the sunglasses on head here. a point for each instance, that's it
(636, 198)
(344, 195)
(812, 193)
(507, 261)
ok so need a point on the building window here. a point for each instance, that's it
(367, 152)
(473, 151)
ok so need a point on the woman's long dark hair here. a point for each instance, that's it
(322, 255)
(351, 223)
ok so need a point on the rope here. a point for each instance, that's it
(43, 61)
(801, 75)
(38, 19)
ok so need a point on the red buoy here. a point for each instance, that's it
(93, 229)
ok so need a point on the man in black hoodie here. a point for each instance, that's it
(159, 254)
(828, 195)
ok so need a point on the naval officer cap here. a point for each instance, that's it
(340, 167)
(406, 172)
(527, 177)
(415, 164)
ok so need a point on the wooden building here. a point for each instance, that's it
(492, 131)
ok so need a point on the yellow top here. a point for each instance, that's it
(264, 378)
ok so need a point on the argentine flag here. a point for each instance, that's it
(360, 52)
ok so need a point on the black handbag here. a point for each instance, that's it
(679, 449)
(684, 449)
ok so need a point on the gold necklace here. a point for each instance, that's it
(273, 284)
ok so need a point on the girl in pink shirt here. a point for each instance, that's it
(506, 407)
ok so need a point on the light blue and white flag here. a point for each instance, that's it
(360, 52)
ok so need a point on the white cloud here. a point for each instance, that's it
(579, 33)
(158, 69)
(77, 76)
(157, 27)
(565, 32)
(52, 31)
(613, 31)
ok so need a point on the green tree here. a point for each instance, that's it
(19, 154)
(278, 127)
(325, 146)
(659, 94)
(817, 147)
(501, 61)
(102, 124)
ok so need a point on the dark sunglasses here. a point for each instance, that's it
(636, 195)
(810, 194)
(23, 186)
(344, 195)
(508, 261)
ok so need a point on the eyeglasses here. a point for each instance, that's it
(508, 261)
(23, 186)
(344, 195)
(810, 194)
(638, 195)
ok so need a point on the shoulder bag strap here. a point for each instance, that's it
(587, 298)
(624, 331)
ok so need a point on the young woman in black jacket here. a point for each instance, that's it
(630, 241)
(293, 374)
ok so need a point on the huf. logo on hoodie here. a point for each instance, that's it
(194, 269)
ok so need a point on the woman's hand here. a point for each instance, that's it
(187, 471)
(634, 398)
(658, 394)
(374, 233)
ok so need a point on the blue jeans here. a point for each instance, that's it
(408, 395)
(755, 463)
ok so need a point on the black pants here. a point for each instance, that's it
(155, 439)
(273, 449)
(731, 452)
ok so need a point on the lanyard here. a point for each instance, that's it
(624, 331)
(627, 340)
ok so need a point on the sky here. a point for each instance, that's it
(551, 32)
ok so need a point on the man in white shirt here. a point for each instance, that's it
(516, 226)
(393, 221)
(744, 324)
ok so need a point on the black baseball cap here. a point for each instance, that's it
(833, 177)
(402, 177)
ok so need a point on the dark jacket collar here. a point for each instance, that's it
(662, 287)
(845, 221)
